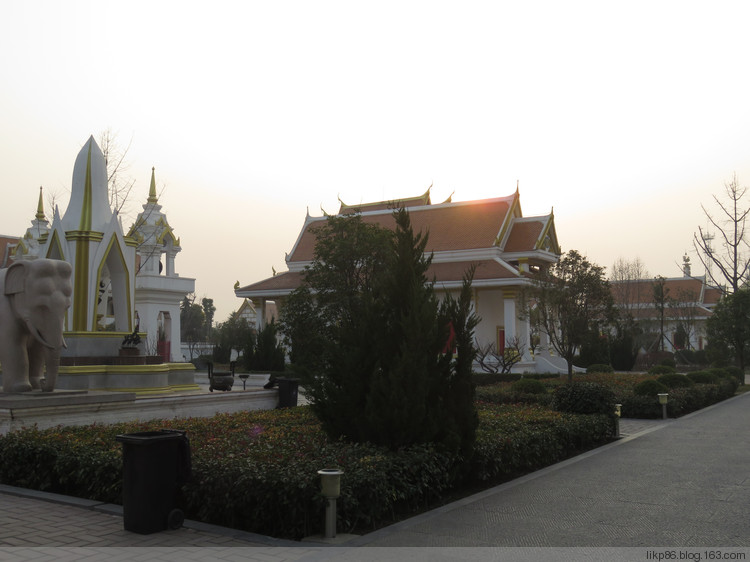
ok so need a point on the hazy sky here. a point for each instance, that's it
(625, 117)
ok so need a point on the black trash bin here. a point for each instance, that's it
(155, 464)
(288, 389)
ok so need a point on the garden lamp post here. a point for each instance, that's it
(663, 401)
(330, 487)
(618, 414)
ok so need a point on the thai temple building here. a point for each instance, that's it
(690, 303)
(123, 284)
(491, 234)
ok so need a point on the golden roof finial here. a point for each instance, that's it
(152, 198)
(40, 206)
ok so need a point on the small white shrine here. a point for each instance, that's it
(158, 289)
(122, 284)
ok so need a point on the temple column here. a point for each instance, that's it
(509, 315)
(525, 339)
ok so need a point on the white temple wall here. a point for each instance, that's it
(489, 306)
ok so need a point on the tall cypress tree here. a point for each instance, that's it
(399, 409)
(386, 375)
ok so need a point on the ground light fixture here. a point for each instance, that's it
(663, 396)
(330, 487)
(618, 414)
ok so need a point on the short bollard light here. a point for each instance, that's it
(663, 401)
(618, 414)
(330, 487)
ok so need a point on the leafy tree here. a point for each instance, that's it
(729, 326)
(192, 322)
(234, 334)
(727, 267)
(573, 299)
(384, 373)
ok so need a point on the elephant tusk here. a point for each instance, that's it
(41, 339)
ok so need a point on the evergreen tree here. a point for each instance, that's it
(460, 420)
(267, 354)
(384, 373)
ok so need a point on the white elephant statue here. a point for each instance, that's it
(35, 296)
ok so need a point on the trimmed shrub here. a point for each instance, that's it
(584, 398)
(529, 386)
(668, 362)
(737, 373)
(599, 368)
(703, 377)
(641, 407)
(661, 370)
(675, 380)
(649, 388)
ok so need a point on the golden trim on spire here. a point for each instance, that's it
(152, 198)
(88, 197)
(40, 207)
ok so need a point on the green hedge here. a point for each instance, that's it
(486, 379)
(257, 471)
(600, 368)
(513, 440)
(675, 380)
(529, 386)
(500, 395)
(585, 398)
(681, 401)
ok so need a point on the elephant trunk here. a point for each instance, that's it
(52, 364)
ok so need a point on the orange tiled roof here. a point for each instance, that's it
(711, 295)
(524, 235)
(642, 292)
(455, 226)
(286, 281)
(445, 272)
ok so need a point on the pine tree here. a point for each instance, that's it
(385, 373)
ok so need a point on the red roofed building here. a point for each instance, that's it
(690, 303)
(491, 234)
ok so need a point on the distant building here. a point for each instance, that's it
(491, 234)
(689, 304)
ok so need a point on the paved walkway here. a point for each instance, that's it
(674, 483)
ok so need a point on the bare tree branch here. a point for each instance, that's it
(731, 259)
